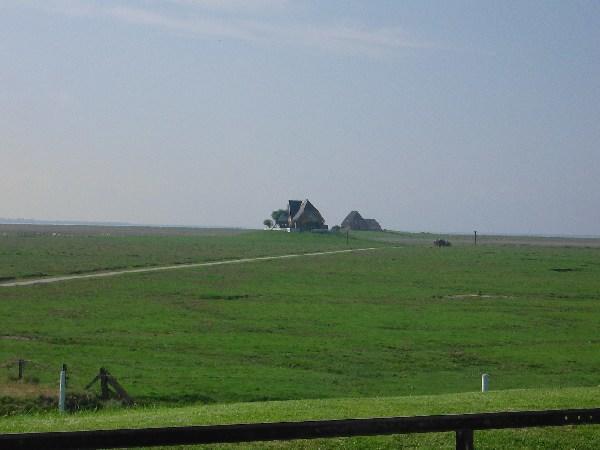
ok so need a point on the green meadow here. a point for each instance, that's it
(406, 320)
(78, 250)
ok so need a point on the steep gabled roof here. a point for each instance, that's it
(353, 220)
(293, 207)
(307, 208)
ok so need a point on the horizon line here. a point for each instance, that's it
(91, 223)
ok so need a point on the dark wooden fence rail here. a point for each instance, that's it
(463, 425)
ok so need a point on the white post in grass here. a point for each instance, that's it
(485, 382)
(62, 389)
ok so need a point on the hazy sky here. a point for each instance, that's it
(436, 116)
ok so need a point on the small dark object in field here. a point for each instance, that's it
(567, 269)
(442, 243)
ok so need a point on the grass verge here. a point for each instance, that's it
(575, 437)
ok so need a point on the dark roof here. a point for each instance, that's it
(301, 214)
(308, 208)
(372, 225)
(352, 220)
(355, 221)
(293, 207)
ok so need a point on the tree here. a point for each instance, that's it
(276, 215)
(268, 223)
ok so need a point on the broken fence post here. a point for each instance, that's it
(106, 381)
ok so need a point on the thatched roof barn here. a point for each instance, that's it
(302, 215)
(354, 221)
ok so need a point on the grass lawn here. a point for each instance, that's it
(573, 437)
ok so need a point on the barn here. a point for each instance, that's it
(354, 221)
(302, 215)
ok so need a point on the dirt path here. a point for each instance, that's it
(178, 266)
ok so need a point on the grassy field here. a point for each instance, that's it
(406, 238)
(572, 437)
(39, 251)
(397, 321)
(34, 251)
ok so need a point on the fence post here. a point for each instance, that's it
(62, 392)
(21, 368)
(104, 392)
(485, 382)
(464, 440)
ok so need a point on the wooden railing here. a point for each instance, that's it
(463, 425)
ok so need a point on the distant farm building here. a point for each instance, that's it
(301, 215)
(354, 221)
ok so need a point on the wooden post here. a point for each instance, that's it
(106, 382)
(21, 368)
(121, 393)
(347, 236)
(464, 440)
(475, 237)
(104, 392)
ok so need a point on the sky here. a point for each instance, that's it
(426, 115)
